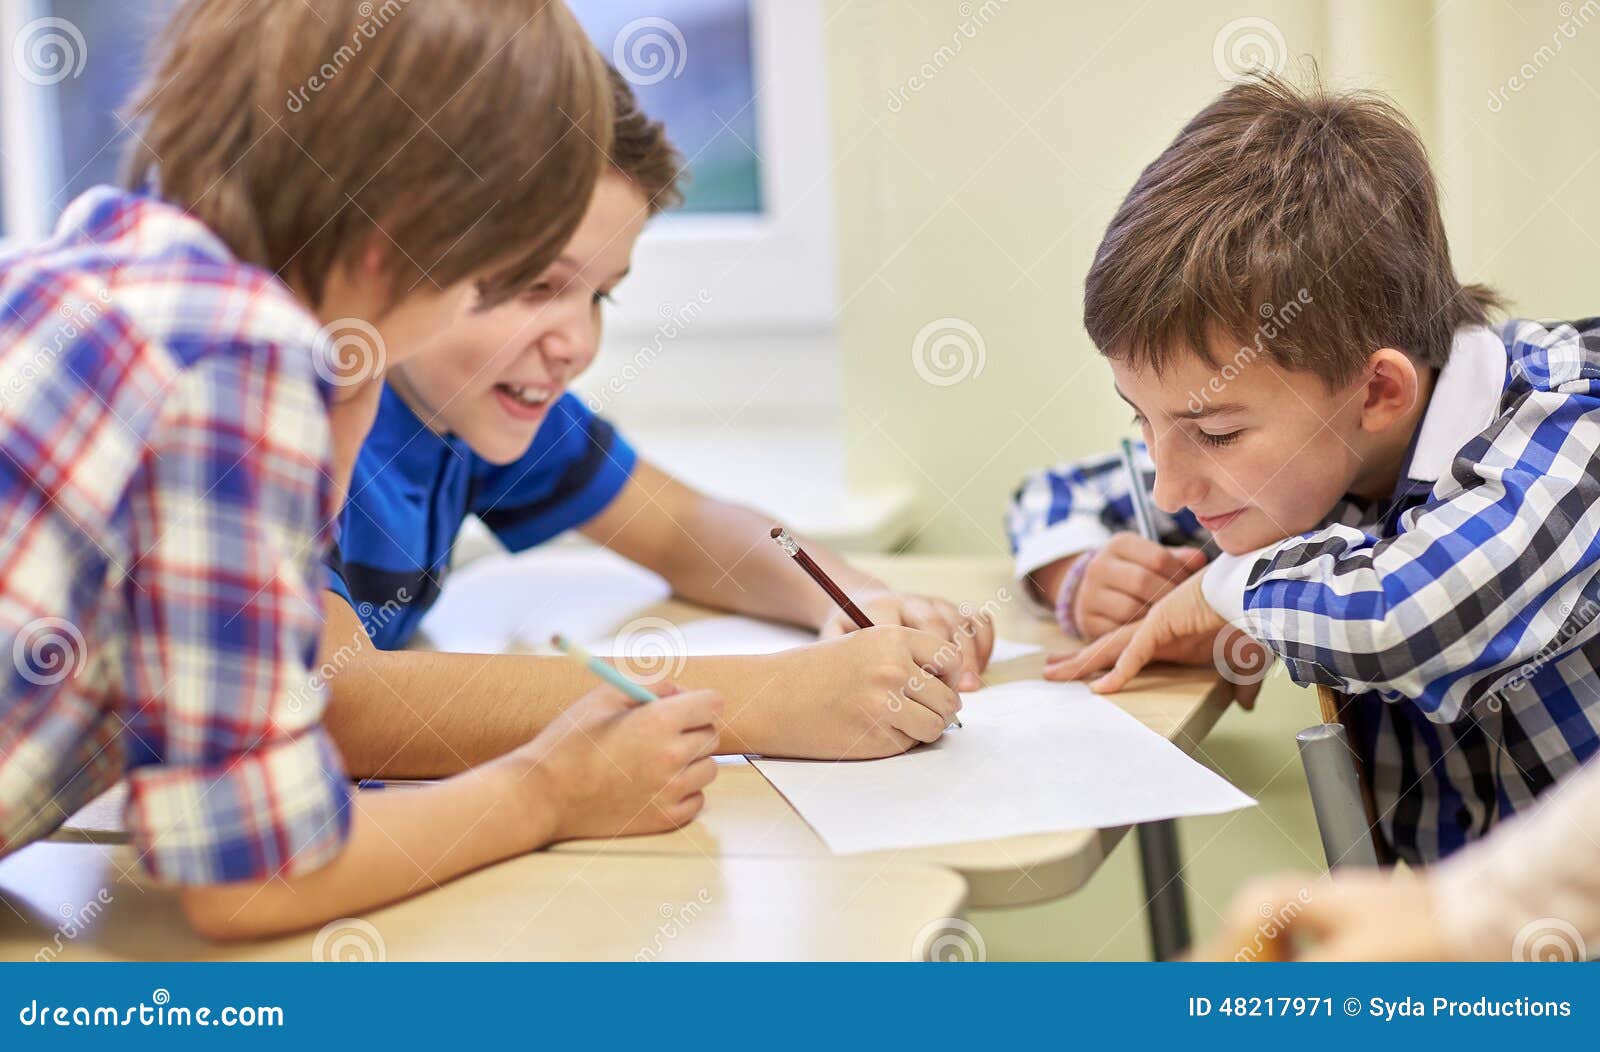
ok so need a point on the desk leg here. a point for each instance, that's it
(1166, 906)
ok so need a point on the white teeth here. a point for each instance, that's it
(527, 395)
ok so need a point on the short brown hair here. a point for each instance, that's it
(298, 130)
(641, 150)
(1275, 196)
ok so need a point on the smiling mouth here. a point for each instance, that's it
(528, 396)
(1216, 522)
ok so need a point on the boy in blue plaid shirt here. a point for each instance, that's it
(1403, 499)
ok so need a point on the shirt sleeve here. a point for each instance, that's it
(1071, 508)
(236, 779)
(1529, 891)
(333, 577)
(1472, 591)
(575, 468)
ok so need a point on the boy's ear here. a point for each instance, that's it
(373, 260)
(1393, 388)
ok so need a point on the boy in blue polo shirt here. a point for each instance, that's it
(488, 428)
(1405, 498)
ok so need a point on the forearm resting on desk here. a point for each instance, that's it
(401, 842)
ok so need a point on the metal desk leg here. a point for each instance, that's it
(1166, 905)
(1336, 798)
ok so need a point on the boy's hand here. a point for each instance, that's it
(972, 634)
(1183, 628)
(1124, 578)
(1356, 916)
(875, 692)
(609, 766)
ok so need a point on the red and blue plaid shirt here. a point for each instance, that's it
(164, 501)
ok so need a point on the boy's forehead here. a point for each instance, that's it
(1188, 387)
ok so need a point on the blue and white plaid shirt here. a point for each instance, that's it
(1463, 614)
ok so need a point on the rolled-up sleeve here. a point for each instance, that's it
(232, 776)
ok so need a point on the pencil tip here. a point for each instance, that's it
(777, 531)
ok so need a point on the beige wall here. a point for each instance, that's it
(981, 194)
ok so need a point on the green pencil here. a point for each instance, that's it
(606, 672)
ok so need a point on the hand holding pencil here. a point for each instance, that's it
(611, 765)
(968, 680)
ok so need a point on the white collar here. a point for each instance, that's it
(1465, 400)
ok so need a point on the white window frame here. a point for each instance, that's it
(762, 273)
(776, 270)
(30, 133)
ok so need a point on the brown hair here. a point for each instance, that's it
(1303, 220)
(298, 130)
(641, 150)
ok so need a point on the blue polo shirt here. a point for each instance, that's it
(412, 489)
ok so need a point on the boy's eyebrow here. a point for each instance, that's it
(1209, 409)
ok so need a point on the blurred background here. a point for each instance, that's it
(875, 286)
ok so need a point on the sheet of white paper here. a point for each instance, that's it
(711, 635)
(1006, 649)
(747, 635)
(1034, 757)
(500, 600)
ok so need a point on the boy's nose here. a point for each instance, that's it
(1176, 486)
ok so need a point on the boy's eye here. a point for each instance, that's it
(601, 296)
(538, 290)
(1227, 438)
(1139, 421)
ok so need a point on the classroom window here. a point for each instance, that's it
(692, 64)
(739, 83)
(71, 66)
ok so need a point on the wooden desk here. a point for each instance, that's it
(86, 902)
(746, 817)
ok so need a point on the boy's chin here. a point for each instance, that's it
(1244, 538)
(504, 447)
